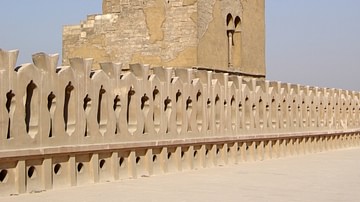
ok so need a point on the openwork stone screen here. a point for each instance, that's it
(69, 125)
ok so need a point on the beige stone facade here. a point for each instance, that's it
(227, 34)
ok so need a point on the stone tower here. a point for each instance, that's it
(220, 34)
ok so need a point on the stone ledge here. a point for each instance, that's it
(70, 149)
(232, 72)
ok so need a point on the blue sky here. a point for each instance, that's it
(308, 42)
(314, 42)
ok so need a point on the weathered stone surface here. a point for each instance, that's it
(179, 33)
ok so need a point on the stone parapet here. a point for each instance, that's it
(71, 125)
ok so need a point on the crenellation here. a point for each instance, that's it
(153, 87)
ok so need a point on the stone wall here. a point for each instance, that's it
(155, 33)
(177, 33)
(71, 125)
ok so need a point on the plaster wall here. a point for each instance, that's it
(253, 37)
(177, 33)
(153, 32)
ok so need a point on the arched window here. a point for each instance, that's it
(230, 32)
(229, 20)
(237, 23)
(236, 44)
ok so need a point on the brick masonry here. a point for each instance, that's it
(175, 33)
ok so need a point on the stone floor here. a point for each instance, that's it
(330, 176)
